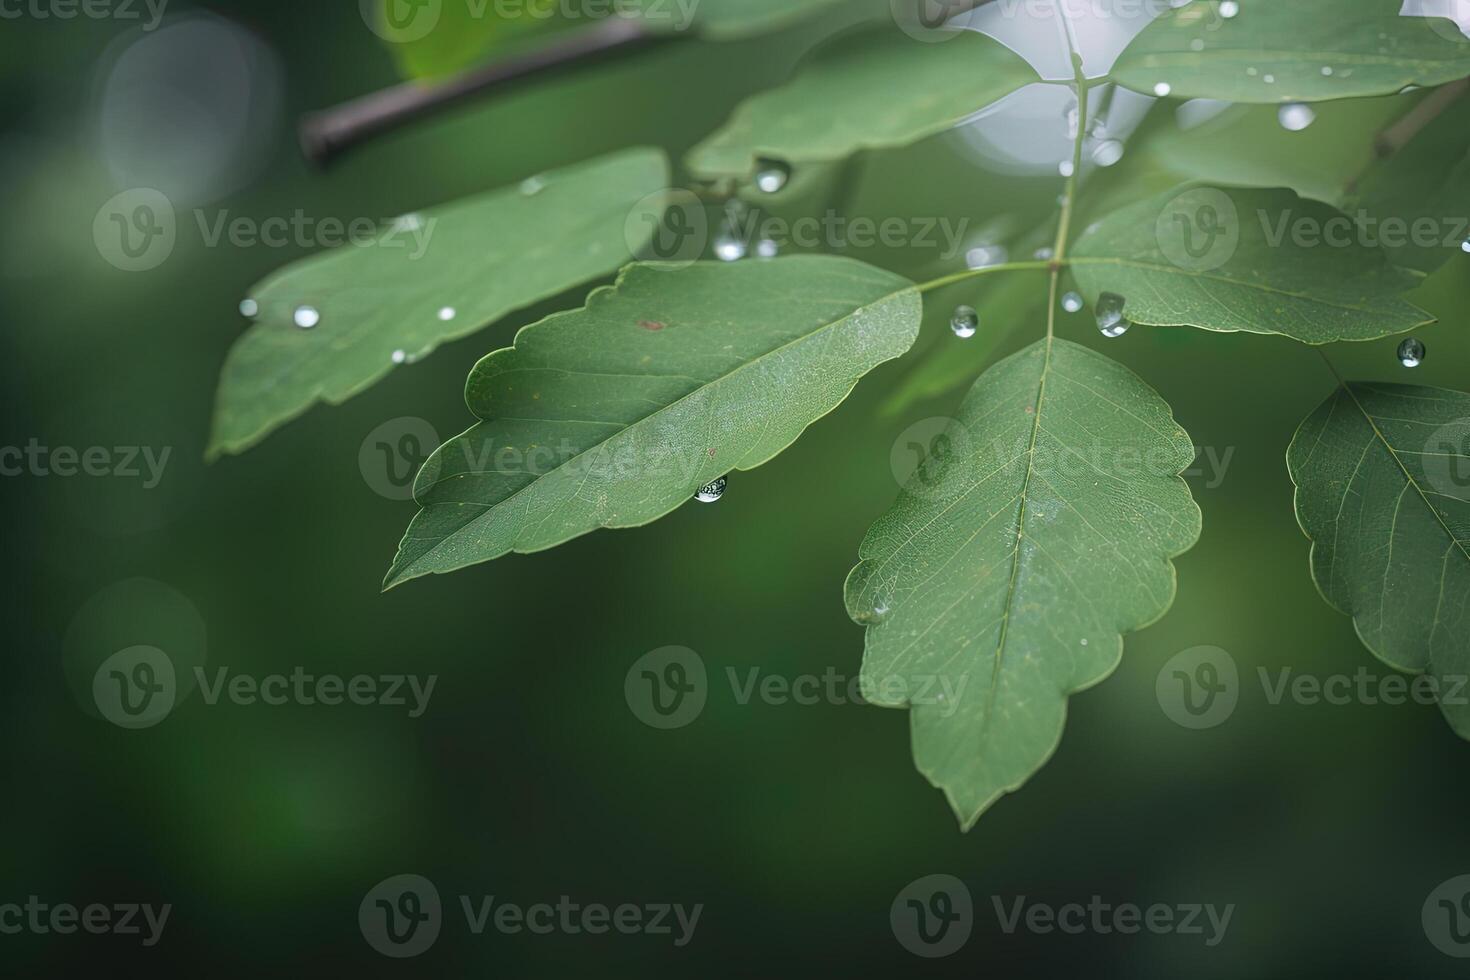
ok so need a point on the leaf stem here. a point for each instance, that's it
(1064, 226)
(985, 270)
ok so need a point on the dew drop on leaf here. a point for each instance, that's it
(1107, 153)
(767, 248)
(728, 246)
(249, 308)
(1072, 302)
(1411, 352)
(772, 175)
(306, 317)
(711, 491)
(964, 322)
(447, 313)
(1296, 116)
(1162, 89)
(1229, 8)
(532, 185)
(1110, 319)
(399, 356)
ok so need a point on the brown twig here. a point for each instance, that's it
(328, 134)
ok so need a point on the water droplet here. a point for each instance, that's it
(772, 175)
(1110, 319)
(1327, 69)
(249, 308)
(767, 248)
(964, 322)
(306, 317)
(985, 255)
(1465, 245)
(447, 313)
(532, 185)
(1043, 254)
(1065, 168)
(711, 491)
(1252, 71)
(1107, 153)
(1072, 302)
(1269, 79)
(408, 222)
(1229, 8)
(1296, 116)
(1411, 352)
(1162, 89)
(728, 247)
(1197, 44)
(1073, 115)
(400, 356)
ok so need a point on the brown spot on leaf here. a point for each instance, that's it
(654, 325)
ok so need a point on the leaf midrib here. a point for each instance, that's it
(1373, 424)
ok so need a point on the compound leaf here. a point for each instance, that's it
(431, 278)
(870, 88)
(1382, 474)
(615, 414)
(1298, 51)
(1243, 259)
(1039, 530)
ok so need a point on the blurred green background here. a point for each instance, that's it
(528, 777)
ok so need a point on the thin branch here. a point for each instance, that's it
(328, 134)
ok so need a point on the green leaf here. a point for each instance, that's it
(1382, 476)
(1419, 198)
(1037, 532)
(1277, 51)
(380, 302)
(871, 88)
(615, 414)
(442, 38)
(1240, 259)
(728, 20)
(1247, 145)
